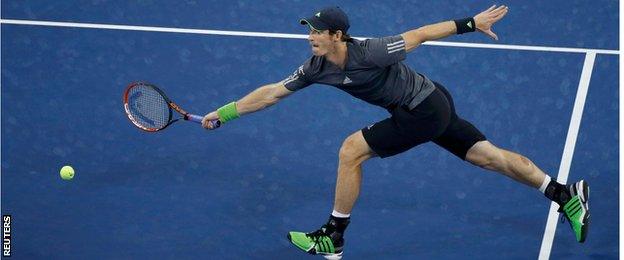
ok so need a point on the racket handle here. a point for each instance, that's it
(194, 118)
(198, 119)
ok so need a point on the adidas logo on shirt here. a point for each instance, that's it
(347, 80)
(395, 46)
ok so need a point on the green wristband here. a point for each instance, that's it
(228, 112)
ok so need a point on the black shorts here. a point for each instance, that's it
(432, 120)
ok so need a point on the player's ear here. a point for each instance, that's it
(338, 35)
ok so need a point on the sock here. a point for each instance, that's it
(340, 215)
(545, 183)
(557, 192)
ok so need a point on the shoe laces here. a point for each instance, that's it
(317, 235)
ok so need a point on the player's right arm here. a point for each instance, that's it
(258, 99)
(262, 97)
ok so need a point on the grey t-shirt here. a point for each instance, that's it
(373, 73)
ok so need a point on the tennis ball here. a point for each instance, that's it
(67, 172)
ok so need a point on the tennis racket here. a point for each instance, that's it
(149, 109)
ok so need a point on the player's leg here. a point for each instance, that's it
(513, 165)
(465, 141)
(404, 130)
(353, 153)
(329, 240)
(573, 199)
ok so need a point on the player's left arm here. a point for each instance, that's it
(482, 22)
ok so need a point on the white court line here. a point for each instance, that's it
(568, 152)
(294, 36)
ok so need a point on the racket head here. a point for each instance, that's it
(147, 107)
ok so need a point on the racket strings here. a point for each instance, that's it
(148, 107)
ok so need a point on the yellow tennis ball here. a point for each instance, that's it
(67, 172)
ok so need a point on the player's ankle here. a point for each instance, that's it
(557, 192)
(336, 227)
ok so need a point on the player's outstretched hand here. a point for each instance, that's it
(487, 18)
(207, 121)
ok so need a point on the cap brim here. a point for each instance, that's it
(314, 24)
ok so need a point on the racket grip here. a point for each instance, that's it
(195, 118)
(198, 119)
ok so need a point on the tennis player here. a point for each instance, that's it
(421, 110)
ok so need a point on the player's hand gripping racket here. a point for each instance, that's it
(149, 109)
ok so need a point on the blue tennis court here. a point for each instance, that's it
(234, 193)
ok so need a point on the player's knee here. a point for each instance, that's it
(350, 151)
(487, 156)
(483, 161)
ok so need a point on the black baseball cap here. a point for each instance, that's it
(328, 18)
